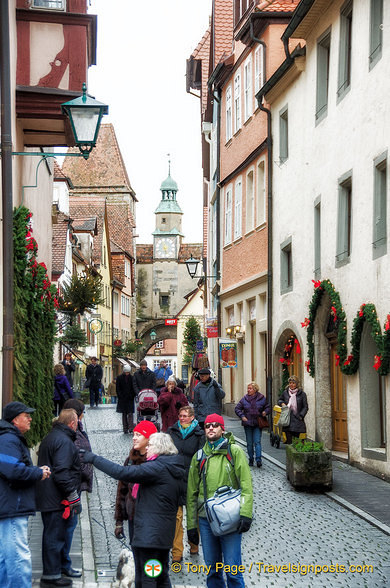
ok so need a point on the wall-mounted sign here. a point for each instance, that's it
(199, 345)
(170, 322)
(212, 328)
(95, 325)
(227, 353)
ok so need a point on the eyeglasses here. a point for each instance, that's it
(213, 425)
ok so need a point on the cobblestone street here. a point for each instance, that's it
(289, 527)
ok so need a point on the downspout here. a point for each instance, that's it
(269, 223)
(269, 251)
(7, 204)
(216, 97)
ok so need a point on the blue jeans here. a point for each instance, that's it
(53, 543)
(253, 438)
(66, 561)
(15, 556)
(226, 548)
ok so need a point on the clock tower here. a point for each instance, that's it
(167, 236)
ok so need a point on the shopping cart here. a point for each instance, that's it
(276, 433)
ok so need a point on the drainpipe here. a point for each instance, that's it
(216, 97)
(269, 251)
(269, 224)
(7, 204)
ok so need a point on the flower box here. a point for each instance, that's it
(309, 469)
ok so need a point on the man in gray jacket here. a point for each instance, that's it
(208, 396)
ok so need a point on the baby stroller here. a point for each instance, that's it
(147, 409)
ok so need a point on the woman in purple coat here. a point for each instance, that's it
(171, 399)
(251, 406)
(62, 389)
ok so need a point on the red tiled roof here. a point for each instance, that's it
(277, 5)
(223, 29)
(105, 168)
(121, 224)
(202, 50)
(188, 249)
(86, 207)
(202, 53)
(144, 253)
(59, 242)
(85, 224)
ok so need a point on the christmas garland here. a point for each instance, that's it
(349, 364)
(35, 303)
(286, 360)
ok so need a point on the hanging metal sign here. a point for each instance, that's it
(95, 325)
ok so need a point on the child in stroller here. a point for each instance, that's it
(147, 408)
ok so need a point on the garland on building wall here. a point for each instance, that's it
(286, 360)
(35, 303)
(349, 364)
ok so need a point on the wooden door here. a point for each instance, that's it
(339, 404)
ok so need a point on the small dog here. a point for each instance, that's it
(125, 572)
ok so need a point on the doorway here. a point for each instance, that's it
(339, 403)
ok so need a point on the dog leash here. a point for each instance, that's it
(122, 541)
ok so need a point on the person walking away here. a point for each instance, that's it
(248, 409)
(81, 442)
(208, 396)
(225, 465)
(125, 393)
(94, 375)
(18, 477)
(62, 389)
(171, 399)
(295, 398)
(144, 378)
(157, 492)
(188, 438)
(58, 499)
(162, 373)
(111, 391)
(70, 368)
(125, 502)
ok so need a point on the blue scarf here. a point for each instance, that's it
(185, 431)
(217, 443)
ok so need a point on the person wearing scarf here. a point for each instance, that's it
(188, 438)
(295, 398)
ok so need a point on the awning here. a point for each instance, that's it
(129, 362)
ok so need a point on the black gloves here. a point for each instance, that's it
(193, 536)
(74, 503)
(244, 525)
(178, 405)
(215, 384)
(86, 456)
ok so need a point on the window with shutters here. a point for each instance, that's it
(250, 202)
(238, 210)
(259, 68)
(376, 32)
(345, 50)
(323, 60)
(344, 220)
(286, 268)
(248, 95)
(260, 188)
(379, 244)
(228, 216)
(237, 102)
(283, 135)
(229, 132)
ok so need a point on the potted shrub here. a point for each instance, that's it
(309, 465)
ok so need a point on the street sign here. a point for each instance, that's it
(170, 322)
(199, 345)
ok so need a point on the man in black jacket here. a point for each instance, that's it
(125, 394)
(59, 499)
(94, 375)
(17, 495)
(144, 378)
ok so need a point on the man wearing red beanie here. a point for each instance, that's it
(223, 463)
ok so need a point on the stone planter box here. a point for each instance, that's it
(311, 470)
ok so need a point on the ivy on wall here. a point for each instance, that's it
(35, 303)
(349, 364)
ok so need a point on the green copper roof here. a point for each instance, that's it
(166, 206)
(171, 232)
(169, 184)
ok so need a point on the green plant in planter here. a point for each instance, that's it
(306, 446)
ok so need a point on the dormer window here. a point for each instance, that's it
(49, 4)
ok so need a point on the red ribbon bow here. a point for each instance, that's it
(337, 359)
(378, 362)
(306, 322)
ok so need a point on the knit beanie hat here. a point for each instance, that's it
(146, 428)
(215, 418)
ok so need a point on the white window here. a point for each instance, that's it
(127, 269)
(248, 98)
(237, 102)
(250, 202)
(228, 113)
(49, 4)
(115, 302)
(159, 344)
(125, 335)
(259, 68)
(228, 216)
(238, 210)
(260, 193)
(125, 305)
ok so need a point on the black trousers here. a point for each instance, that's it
(53, 543)
(93, 395)
(127, 422)
(141, 556)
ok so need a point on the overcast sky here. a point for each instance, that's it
(142, 47)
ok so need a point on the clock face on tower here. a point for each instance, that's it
(165, 247)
